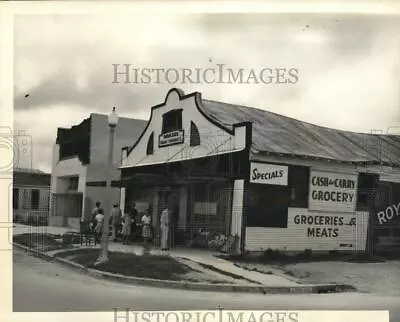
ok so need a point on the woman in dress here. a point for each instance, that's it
(126, 226)
(146, 232)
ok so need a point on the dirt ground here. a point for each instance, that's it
(377, 278)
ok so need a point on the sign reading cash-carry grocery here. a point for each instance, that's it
(171, 138)
(331, 191)
(268, 174)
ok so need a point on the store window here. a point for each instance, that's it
(194, 135)
(26, 199)
(267, 206)
(172, 121)
(15, 198)
(212, 201)
(73, 183)
(150, 144)
(299, 178)
(367, 184)
(35, 199)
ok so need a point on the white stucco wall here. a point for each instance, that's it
(65, 168)
(126, 133)
(60, 170)
(213, 140)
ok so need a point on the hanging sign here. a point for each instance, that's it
(171, 138)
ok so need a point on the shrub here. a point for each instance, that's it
(70, 238)
(305, 255)
(364, 257)
(273, 255)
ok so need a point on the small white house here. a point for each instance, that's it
(31, 192)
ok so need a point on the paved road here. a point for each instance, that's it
(44, 286)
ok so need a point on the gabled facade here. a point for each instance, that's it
(179, 130)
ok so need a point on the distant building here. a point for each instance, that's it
(79, 167)
(31, 191)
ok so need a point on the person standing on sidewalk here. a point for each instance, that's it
(126, 226)
(92, 220)
(146, 232)
(115, 220)
(99, 224)
(164, 223)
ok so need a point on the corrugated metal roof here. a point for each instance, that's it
(278, 134)
(28, 170)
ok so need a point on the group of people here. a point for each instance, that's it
(128, 221)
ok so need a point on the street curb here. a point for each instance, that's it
(301, 289)
(274, 271)
(35, 252)
(220, 287)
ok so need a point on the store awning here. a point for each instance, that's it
(160, 180)
(185, 154)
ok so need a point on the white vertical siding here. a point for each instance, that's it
(295, 236)
(237, 208)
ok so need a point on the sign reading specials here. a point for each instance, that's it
(268, 174)
(332, 191)
(171, 138)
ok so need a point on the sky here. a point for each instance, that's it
(348, 67)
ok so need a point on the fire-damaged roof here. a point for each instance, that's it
(30, 177)
(280, 135)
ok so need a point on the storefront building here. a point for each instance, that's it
(264, 180)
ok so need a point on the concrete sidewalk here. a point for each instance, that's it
(206, 257)
(25, 229)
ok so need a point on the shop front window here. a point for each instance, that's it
(267, 206)
(365, 191)
(15, 198)
(299, 178)
(210, 206)
(35, 196)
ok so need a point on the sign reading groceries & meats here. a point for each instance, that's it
(331, 191)
(316, 230)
